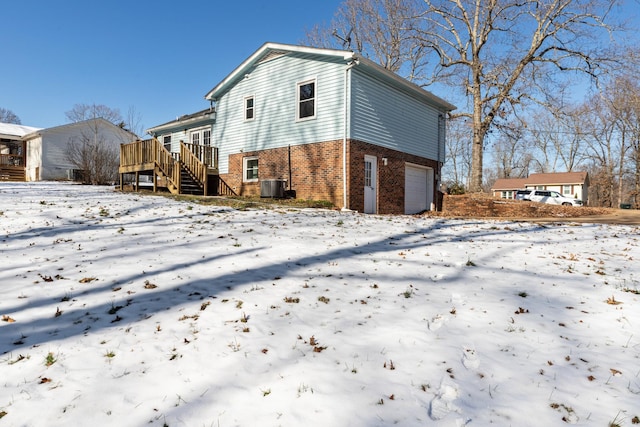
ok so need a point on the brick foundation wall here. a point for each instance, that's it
(390, 176)
(316, 173)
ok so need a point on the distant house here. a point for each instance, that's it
(322, 124)
(13, 151)
(570, 184)
(33, 154)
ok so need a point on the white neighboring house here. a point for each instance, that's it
(12, 151)
(43, 152)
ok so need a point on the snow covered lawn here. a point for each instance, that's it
(129, 310)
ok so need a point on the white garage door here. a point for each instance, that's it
(418, 185)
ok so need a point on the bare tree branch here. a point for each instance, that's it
(82, 112)
(8, 116)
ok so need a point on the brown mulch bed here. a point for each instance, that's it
(485, 206)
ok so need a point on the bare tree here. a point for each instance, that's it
(94, 154)
(602, 151)
(382, 30)
(622, 98)
(8, 116)
(133, 122)
(501, 55)
(82, 112)
(505, 53)
(512, 158)
(557, 138)
(458, 154)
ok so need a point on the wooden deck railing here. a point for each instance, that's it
(205, 153)
(151, 154)
(148, 155)
(137, 153)
(11, 160)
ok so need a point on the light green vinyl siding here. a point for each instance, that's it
(386, 116)
(273, 85)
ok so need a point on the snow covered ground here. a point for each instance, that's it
(130, 310)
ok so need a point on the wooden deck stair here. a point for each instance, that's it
(12, 173)
(192, 171)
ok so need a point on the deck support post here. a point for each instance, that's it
(155, 179)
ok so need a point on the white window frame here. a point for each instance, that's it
(314, 99)
(566, 190)
(165, 142)
(245, 169)
(246, 109)
(200, 132)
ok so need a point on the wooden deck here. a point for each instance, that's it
(192, 171)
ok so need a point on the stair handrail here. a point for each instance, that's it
(165, 161)
(192, 162)
(224, 189)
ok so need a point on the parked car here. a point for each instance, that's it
(522, 194)
(551, 197)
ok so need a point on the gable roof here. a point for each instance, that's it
(271, 50)
(509, 183)
(556, 178)
(103, 122)
(13, 131)
(185, 120)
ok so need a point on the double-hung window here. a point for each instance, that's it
(306, 100)
(249, 108)
(250, 169)
(166, 142)
(201, 136)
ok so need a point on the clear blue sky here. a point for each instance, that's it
(160, 57)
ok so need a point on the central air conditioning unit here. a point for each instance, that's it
(274, 188)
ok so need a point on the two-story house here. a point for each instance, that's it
(323, 124)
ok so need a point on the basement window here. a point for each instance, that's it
(250, 169)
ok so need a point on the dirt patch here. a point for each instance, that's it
(486, 207)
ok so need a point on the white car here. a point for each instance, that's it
(552, 198)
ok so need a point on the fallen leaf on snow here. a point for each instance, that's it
(8, 319)
(612, 301)
(149, 285)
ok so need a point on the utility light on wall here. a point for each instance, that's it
(384, 161)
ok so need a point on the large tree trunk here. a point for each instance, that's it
(479, 132)
(475, 184)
